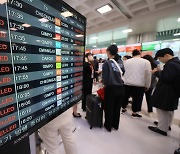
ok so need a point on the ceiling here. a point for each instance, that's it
(139, 15)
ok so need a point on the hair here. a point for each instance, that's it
(136, 52)
(113, 49)
(95, 57)
(151, 60)
(88, 54)
(163, 52)
(128, 57)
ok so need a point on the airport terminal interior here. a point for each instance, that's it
(63, 61)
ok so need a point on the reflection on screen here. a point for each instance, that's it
(41, 63)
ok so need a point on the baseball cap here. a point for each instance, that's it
(164, 51)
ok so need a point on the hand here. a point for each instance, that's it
(154, 70)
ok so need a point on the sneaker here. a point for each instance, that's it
(123, 111)
(156, 123)
(136, 116)
(157, 130)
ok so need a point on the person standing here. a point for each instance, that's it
(166, 95)
(112, 80)
(137, 79)
(148, 93)
(62, 125)
(88, 75)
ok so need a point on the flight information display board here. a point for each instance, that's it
(41, 64)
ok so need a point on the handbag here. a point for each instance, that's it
(100, 93)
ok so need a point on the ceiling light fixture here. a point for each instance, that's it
(79, 35)
(178, 20)
(104, 9)
(66, 14)
(177, 34)
(127, 31)
(26, 25)
(176, 39)
(13, 29)
(43, 20)
(94, 38)
(94, 46)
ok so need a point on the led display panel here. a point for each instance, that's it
(42, 46)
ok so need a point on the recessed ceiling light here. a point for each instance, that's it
(79, 35)
(26, 25)
(3, 1)
(104, 9)
(43, 20)
(94, 38)
(66, 14)
(127, 31)
(177, 34)
(178, 20)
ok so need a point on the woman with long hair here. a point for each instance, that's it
(148, 93)
(87, 82)
(112, 80)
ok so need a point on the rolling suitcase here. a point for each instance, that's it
(94, 111)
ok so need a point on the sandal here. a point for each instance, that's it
(77, 116)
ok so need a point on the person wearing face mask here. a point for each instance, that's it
(112, 72)
(166, 95)
(87, 78)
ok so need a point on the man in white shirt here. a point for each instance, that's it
(137, 79)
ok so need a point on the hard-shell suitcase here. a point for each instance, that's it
(94, 111)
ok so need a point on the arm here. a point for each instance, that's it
(105, 73)
(148, 75)
(168, 74)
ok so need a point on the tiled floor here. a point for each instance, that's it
(133, 137)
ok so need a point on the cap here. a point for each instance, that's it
(164, 51)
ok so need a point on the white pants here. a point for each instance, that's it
(165, 119)
(61, 125)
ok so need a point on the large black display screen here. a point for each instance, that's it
(41, 64)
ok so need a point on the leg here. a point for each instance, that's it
(75, 113)
(117, 108)
(50, 139)
(127, 94)
(137, 95)
(163, 120)
(68, 138)
(148, 97)
(109, 104)
(171, 116)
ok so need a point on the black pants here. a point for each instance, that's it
(87, 89)
(148, 97)
(137, 94)
(112, 104)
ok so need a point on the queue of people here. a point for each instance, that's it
(133, 77)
